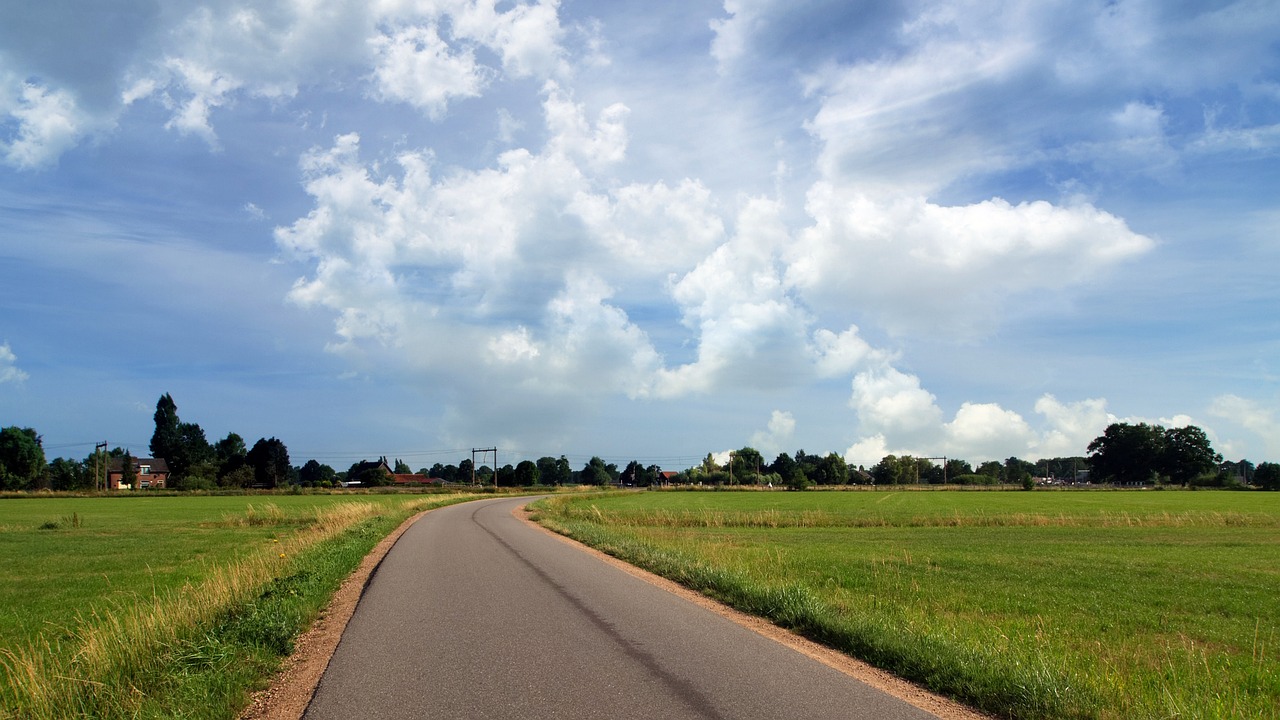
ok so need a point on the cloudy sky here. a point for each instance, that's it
(643, 230)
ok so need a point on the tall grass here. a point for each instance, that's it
(1061, 606)
(197, 650)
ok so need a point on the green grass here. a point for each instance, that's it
(125, 549)
(1027, 605)
(167, 607)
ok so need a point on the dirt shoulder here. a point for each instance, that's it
(291, 691)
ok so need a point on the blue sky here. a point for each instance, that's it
(641, 230)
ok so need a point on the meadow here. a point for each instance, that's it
(166, 607)
(1024, 604)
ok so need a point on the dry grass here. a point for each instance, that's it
(116, 645)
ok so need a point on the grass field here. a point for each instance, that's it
(1027, 605)
(164, 607)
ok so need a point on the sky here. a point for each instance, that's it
(641, 230)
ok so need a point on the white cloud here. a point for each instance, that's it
(527, 36)
(496, 258)
(1254, 417)
(9, 371)
(1072, 426)
(923, 267)
(415, 66)
(750, 331)
(777, 436)
(870, 450)
(48, 124)
(654, 229)
(891, 402)
(894, 125)
(986, 430)
(839, 355)
(733, 32)
(904, 420)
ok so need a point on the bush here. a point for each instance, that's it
(799, 481)
(972, 479)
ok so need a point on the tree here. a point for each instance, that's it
(1141, 453)
(128, 472)
(66, 474)
(783, 465)
(894, 470)
(992, 469)
(1126, 453)
(313, 474)
(1267, 476)
(1017, 471)
(374, 476)
(553, 472)
(832, 470)
(506, 476)
(527, 473)
(182, 445)
(955, 467)
(745, 464)
(166, 437)
(230, 455)
(22, 461)
(1187, 454)
(269, 459)
(402, 468)
(596, 472)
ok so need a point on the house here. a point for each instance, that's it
(357, 473)
(149, 473)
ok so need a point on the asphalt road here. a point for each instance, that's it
(473, 614)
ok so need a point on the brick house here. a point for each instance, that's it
(151, 473)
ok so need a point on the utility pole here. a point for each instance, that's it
(100, 450)
(944, 468)
(484, 452)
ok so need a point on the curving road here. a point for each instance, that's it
(474, 614)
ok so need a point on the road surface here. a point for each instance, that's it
(474, 614)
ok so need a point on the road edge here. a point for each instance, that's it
(294, 684)
(942, 707)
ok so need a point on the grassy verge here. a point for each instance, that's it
(195, 649)
(1026, 605)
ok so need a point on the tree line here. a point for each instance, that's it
(1125, 454)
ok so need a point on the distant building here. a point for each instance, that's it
(149, 473)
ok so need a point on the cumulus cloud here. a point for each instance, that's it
(583, 255)
(986, 430)
(498, 256)
(1252, 416)
(924, 267)
(9, 371)
(415, 66)
(777, 436)
(891, 402)
(48, 122)
(904, 419)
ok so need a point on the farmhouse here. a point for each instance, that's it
(148, 472)
(357, 474)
